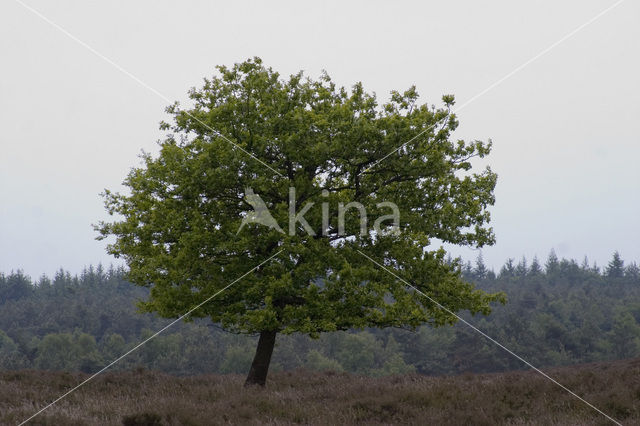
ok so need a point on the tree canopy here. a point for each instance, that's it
(309, 144)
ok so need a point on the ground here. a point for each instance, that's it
(149, 398)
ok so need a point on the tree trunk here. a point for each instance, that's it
(260, 365)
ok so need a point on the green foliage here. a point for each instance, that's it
(625, 335)
(7, 345)
(575, 314)
(395, 365)
(356, 352)
(14, 287)
(179, 223)
(66, 351)
(10, 355)
(113, 345)
(567, 314)
(318, 362)
(237, 360)
(616, 266)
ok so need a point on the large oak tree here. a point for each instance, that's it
(177, 225)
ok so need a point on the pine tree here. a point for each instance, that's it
(615, 269)
(480, 271)
(535, 269)
(551, 266)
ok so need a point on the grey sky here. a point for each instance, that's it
(565, 128)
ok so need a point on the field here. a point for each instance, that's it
(149, 398)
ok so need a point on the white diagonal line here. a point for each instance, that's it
(493, 340)
(139, 81)
(505, 77)
(149, 338)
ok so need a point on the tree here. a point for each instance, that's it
(10, 356)
(481, 270)
(297, 143)
(535, 269)
(522, 270)
(15, 286)
(113, 346)
(66, 351)
(508, 269)
(632, 271)
(615, 269)
(552, 264)
(625, 335)
(317, 361)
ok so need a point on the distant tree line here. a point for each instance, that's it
(558, 312)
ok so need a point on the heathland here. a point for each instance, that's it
(301, 397)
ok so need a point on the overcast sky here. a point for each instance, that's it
(565, 127)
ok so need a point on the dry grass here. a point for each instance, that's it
(150, 398)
